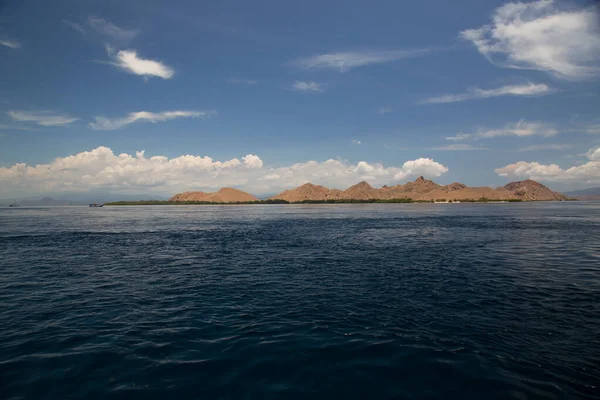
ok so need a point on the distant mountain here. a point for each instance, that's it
(224, 195)
(423, 189)
(586, 194)
(75, 199)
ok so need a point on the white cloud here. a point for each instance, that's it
(129, 61)
(75, 26)
(43, 118)
(355, 141)
(384, 110)
(101, 169)
(108, 124)
(594, 154)
(307, 86)
(585, 173)
(13, 44)
(237, 81)
(107, 28)
(460, 136)
(538, 147)
(459, 147)
(344, 61)
(539, 36)
(530, 89)
(521, 129)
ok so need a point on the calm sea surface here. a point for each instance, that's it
(375, 301)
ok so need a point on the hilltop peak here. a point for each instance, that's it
(363, 184)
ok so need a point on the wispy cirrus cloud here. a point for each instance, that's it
(384, 110)
(129, 61)
(75, 26)
(111, 30)
(344, 61)
(7, 127)
(538, 147)
(593, 129)
(520, 129)
(529, 89)
(10, 43)
(459, 147)
(310, 86)
(109, 124)
(42, 118)
(237, 81)
(538, 35)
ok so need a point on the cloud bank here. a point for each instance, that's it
(588, 172)
(108, 124)
(540, 36)
(530, 89)
(102, 169)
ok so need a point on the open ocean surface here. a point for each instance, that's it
(366, 301)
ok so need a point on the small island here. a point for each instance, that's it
(419, 191)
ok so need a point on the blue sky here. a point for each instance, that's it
(482, 92)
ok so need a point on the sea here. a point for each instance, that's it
(361, 301)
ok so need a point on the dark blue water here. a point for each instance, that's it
(333, 301)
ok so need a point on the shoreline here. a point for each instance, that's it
(304, 202)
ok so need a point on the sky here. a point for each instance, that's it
(157, 97)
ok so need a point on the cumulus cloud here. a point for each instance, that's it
(102, 169)
(459, 147)
(307, 86)
(520, 129)
(344, 61)
(108, 124)
(129, 61)
(585, 173)
(594, 154)
(111, 30)
(529, 89)
(538, 35)
(43, 118)
(13, 44)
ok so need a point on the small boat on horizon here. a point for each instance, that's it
(96, 205)
(14, 205)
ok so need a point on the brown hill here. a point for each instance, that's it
(529, 190)
(361, 191)
(224, 195)
(423, 189)
(308, 191)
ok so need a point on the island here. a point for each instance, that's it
(420, 190)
